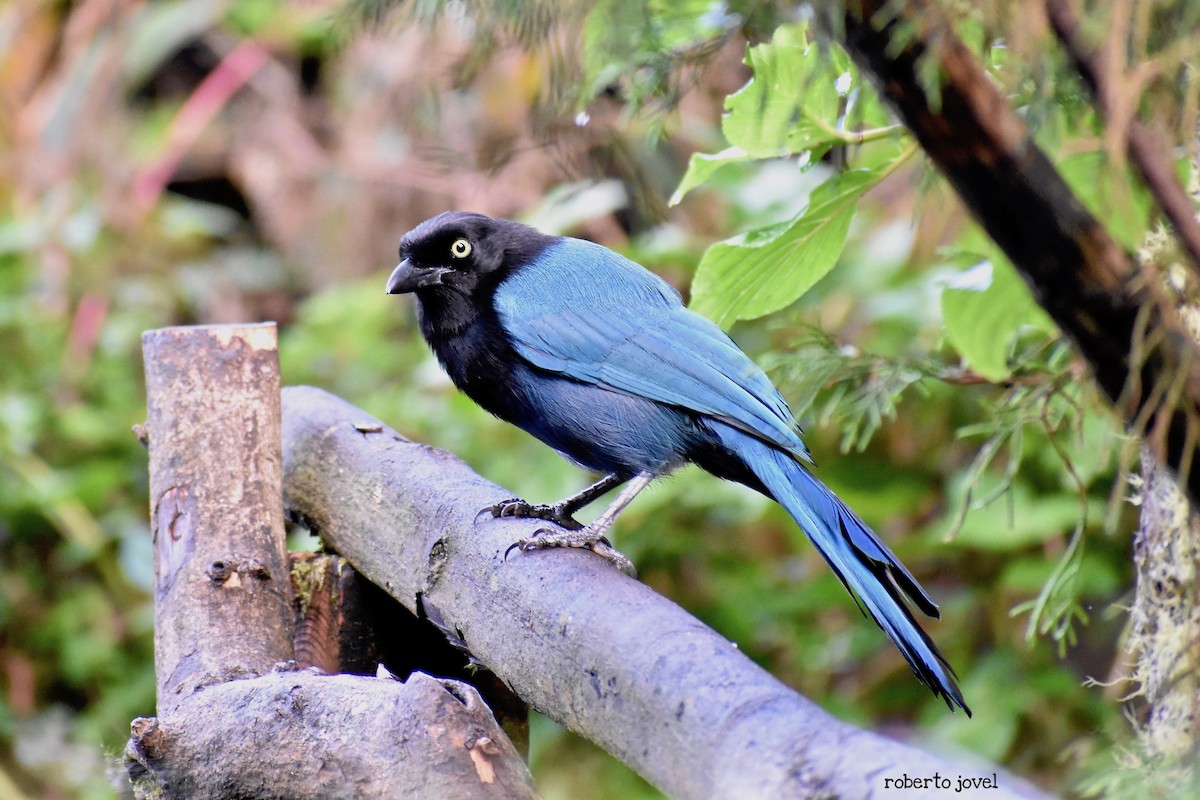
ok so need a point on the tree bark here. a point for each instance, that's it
(307, 736)
(591, 648)
(1165, 617)
(234, 717)
(1166, 620)
(1122, 324)
(222, 591)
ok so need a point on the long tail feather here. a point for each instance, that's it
(869, 570)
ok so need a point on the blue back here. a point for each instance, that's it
(583, 311)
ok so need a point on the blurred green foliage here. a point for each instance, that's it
(939, 400)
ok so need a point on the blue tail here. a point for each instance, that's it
(875, 577)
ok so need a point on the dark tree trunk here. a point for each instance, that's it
(1123, 323)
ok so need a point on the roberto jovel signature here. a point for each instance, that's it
(958, 783)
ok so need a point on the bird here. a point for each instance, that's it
(599, 358)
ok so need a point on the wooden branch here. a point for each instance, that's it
(1122, 323)
(581, 642)
(229, 724)
(222, 592)
(1149, 151)
(308, 736)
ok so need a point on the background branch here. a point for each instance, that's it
(1120, 320)
(1148, 150)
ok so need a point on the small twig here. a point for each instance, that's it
(856, 137)
(1148, 150)
(961, 376)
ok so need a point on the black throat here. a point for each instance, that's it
(446, 313)
(468, 340)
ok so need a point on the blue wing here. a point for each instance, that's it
(583, 311)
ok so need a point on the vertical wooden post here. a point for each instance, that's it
(222, 593)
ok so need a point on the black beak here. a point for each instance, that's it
(408, 278)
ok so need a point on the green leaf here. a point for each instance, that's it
(763, 270)
(702, 166)
(991, 307)
(1057, 607)
(761, 114)
(791, 104)
(803, 99)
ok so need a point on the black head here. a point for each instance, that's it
(460, 253)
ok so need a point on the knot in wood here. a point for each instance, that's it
(220, 571)
(256, 569)
(143, 727)
(483, 743)
(229, 571)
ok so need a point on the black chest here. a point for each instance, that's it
(476, 353)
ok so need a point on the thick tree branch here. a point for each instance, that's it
(308, 736)
(1126, 328)
(591, 648)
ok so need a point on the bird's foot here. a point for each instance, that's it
(545, 538)
(516, 507)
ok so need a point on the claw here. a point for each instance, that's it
(602, 548)
(525, 545)
(573, 534)
(516, 507)
(545, 538)
(501, 509)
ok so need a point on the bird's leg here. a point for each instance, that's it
(561, 513)
(592, 536)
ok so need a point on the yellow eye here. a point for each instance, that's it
(461, 248)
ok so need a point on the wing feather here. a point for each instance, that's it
(583, 311)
